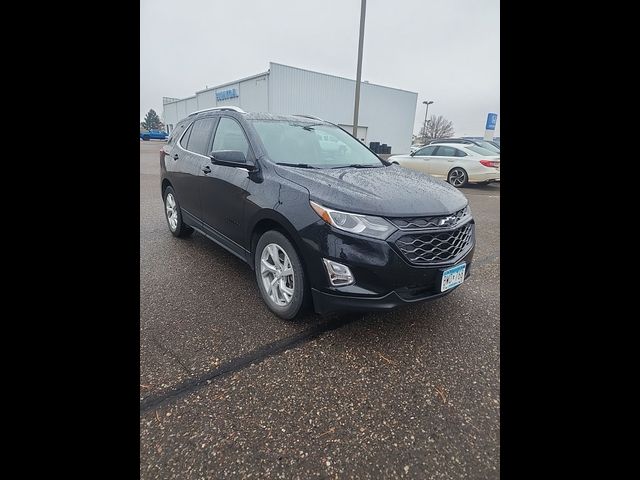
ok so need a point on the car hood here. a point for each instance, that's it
(391, 191)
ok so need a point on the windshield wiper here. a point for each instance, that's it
(306, 126)
(358, 165)
(299, 165)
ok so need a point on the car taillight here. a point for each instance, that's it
(490, 163)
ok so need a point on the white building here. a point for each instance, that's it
(386, 114)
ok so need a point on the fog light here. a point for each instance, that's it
(339, 275)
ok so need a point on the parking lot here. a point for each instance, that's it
(229, 390)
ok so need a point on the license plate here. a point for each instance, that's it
(452, 277)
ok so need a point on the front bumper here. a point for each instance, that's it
(326, 302)
(384, 279)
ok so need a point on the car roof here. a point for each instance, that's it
(452, 140)
(462, 145)
(452, 144)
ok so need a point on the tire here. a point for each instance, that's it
(145, 138)
(284, 305)
(171, 207)
(458, 177)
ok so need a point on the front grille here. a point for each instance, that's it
(415, 223)
(435, 247)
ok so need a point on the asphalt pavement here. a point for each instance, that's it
(228, 390)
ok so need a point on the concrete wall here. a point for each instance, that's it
(252, 97)
(387, 113)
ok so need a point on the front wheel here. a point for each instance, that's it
(279, 275)
(458, 177)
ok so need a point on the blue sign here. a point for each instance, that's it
(226, 94)
(492, 119)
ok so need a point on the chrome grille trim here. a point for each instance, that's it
(429, 248)
(429, 223)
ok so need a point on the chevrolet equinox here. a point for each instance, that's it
(336, 228)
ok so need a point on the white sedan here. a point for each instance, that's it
(456, 163)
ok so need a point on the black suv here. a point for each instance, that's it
(324, 224)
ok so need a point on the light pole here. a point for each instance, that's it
(425, 118)
(356, 107)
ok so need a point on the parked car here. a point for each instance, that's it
(458, 163)
(336, 231)
(153, 135)
(331, 143)
(495, 143)
(466, 141)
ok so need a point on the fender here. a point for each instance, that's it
(269, 214)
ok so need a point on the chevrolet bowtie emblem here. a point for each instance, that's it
(447, 221)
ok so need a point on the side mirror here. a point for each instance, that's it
(230, 158)
(412, 153)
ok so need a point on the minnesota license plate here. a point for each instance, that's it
(452, 277)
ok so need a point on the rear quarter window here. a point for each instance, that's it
(175, 134)
(184, 142)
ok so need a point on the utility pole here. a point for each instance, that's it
(363, 10)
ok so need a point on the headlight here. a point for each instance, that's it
(366, 225)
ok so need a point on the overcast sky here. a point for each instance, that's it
(446, 50)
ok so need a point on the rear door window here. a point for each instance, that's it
(426, 151)
(445, 152)
(200, 137)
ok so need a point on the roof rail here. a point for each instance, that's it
(308, 116)
(229, 107)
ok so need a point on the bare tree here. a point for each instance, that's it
(437, 127)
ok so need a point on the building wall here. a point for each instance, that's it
(387, 113)
(252, 97)
(173, 112)
(169, 115)
(191, 105)
(254, 94)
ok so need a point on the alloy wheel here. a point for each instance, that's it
(457, 177)
(277, 274)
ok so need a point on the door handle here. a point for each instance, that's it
(206, 169)
(175, 157)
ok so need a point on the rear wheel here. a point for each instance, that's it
(458, 177)
(145, 138)
(279, 275)
(174, 215)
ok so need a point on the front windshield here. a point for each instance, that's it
(313, 145)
